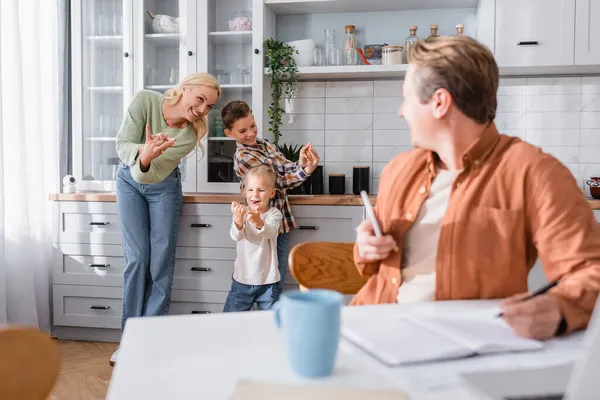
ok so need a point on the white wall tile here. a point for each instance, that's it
(590, 84)
(386, 105)
(589, 137)
(590, 102)
(388, 88)
(306, 105)
(554, 85)
(378, 168)
(565, 154)
(310, 89)
(304, 121)
(349, 89)
(506, 121)
(574, 168)
(389, 121)
(512, 103)
(349, 138)
(520, 133)
(553, 120)
(399, 137)
(290, 136)
(510, 86)
(344, 105)
(351, 154)
(559, 102)
(589, 154)
(386, 153)
(375, 186)
(590, 120)
(553, 137)
(348, 121)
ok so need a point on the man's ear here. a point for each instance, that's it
(228, 133)
(441, 102)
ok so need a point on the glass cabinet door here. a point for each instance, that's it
(101, 85)
(165, 39)
(229, 56)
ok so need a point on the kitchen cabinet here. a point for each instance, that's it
(587, 32)
(88, 261)
(118, 49)
(534, 33)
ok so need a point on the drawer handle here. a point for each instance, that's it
(99, 265)
(99, 223)
(200, 312)
(200, 225)
(528, 43)
(200, 269)
(309, 227)
(93, 307)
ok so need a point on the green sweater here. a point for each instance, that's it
(146, 108)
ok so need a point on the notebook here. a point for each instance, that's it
(407, 340)
(253, 390)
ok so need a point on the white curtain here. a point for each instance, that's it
(29, 143)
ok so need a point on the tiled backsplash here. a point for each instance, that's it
(355, 123)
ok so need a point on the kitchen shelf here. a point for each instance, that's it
(221, 139)
(283, 7)
(106, 41)
(236, 86)
(231, 37)
(163, 39)
(101, 138)
(352, 72)
(106, 89)
(159, 87)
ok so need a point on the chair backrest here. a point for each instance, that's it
(326, 265)
(29, 363)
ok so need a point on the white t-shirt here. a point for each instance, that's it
(256, 262)
(421, 242)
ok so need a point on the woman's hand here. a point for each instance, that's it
(239, 211)
(155, 145)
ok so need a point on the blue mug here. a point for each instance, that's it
(310, 322)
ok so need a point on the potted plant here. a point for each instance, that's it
(281, 68)
(292, 153)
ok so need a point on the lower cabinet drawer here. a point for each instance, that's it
(325, 223)
(101, 307)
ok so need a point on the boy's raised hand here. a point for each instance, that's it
(239, 211)
(309, 158)
(255, 219)
(304, 155)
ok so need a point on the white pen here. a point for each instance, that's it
(370, 213)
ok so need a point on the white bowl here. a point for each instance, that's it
(305, 49)
(303, 43)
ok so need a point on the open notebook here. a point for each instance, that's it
(417, 339)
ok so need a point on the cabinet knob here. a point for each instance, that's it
(126, 54)
(256, 51)
(190, 53)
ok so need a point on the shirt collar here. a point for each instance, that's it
(259, 144)
(476, 154)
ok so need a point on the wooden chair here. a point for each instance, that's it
(325, 265)
(29, 364)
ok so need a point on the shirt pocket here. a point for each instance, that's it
(494, 251)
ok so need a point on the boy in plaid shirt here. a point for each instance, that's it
(252, 151)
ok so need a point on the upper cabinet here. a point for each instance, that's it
(587, 32)
(534, 32)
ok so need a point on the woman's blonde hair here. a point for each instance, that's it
(172, 97)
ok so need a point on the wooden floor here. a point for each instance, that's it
(85, 372)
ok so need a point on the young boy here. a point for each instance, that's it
(255, 229)
(252, 151)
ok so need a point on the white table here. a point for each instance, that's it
(204, 356)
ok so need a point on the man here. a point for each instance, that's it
(468, 211)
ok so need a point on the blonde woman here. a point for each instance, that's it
(157, 132)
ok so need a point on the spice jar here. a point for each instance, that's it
(392, 55)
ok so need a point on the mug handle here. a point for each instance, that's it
(276, 310)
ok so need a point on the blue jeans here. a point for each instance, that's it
(149, 216)
(283, 252)
(242, 297)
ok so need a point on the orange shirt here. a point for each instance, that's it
(510, 204)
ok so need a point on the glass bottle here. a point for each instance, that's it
(409, 41)
(329, 44)
(434, 32)
(351, 56)
(460, 30)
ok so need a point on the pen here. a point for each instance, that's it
(538, 292)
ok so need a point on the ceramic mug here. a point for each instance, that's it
(310, 323)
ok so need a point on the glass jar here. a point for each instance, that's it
(329, 42)
(392, 55)
(350, 41)
(460, 30)
(409, 41)
(240, 20)
(434, 32)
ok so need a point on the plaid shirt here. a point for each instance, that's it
(289, 175)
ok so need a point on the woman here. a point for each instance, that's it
(157, 132)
